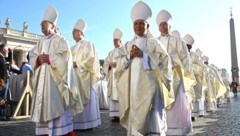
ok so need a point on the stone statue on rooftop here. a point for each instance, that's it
(8, 23)
(25, 26)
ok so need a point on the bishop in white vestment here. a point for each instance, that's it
(144, 74)
(110, 64)
(210, 92)
(189, 41)
(227, 82)
(56, 97)
(178, 124)
(220, 86)
(200, 87)
(87, 69)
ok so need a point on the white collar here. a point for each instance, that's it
(80, 41)
(165, 35)
(48, 36)
(144, 36)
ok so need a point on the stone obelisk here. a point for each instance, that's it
(234, 59)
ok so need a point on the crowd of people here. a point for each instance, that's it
(7, 69)
(156, 86)
(159, 86)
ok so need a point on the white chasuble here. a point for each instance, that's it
(142, 84)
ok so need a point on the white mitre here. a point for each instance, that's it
(117, 34)
(188, 39)
(141, 11)
(51, 15)
(224, 72)
(176, 33)
(205, 58)
(198, 52)
(163, 16)
(80, 25)
(214, 67)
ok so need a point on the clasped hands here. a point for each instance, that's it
(113, 65)
(43, 58)
(136, 52)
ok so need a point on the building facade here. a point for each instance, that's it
(20, 41)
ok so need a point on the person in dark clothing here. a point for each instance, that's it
(234, 86)
(4, 76)
(11, 66)
(9, 56)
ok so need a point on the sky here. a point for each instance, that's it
(206, 20)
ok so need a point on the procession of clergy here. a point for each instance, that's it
(156, 86)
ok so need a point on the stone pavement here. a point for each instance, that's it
(223, 122)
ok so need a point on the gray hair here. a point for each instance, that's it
(2, 47)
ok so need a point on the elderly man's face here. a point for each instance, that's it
(163, 27)
(5, 51)
(76, 34)
(140, 27)
(117, 43)
(46, 27)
